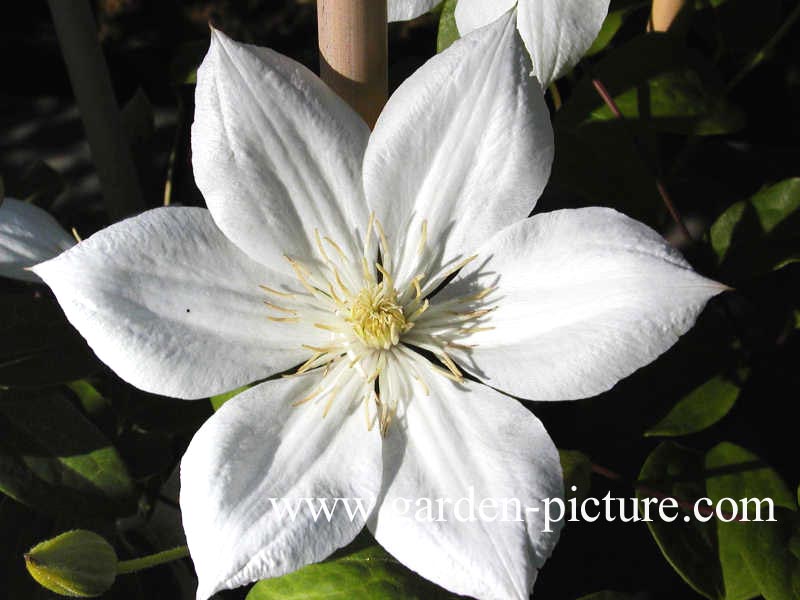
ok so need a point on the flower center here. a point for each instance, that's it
(377, 317)
(376, 324)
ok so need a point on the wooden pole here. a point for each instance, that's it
(663, 14)
(91, 84)
(353, 52)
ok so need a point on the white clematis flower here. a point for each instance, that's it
(28, 235)
(557, 33)
(405, 10)
(386, 266)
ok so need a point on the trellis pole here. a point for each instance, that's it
(354, 54)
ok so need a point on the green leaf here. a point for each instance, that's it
(92, 401)
(609, 29)
(366, 574)
(448, 31)
(612, 23)
(759, 234)
(763, 547)
(690, 547)
(577, 468)
(220, 399)
(675, 90)
(734, 560)
(55, 460)
(699, 410)
(39, 347)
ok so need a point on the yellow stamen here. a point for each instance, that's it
(377, 317)
(445, 358)
(269, 290)
(311, 396)
(310, 362)
(384, 243)
(420, 310)
(423, 238)
(338, 249)
(320, 247)
(387, 278)
(280, 308)
(333, 395)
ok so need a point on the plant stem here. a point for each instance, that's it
(88, 73)
(152, 560)
(662, 190)
(353, 48)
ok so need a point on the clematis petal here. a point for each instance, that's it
(260, 447)
(474, 14)
(275, 153)
(405, 10)
(558, 33)
(585, 297)
(465, 143)
(172, 306)
(467, 441)
(28, 235)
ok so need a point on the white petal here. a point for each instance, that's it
(474, 14)
(585, 297)
(258, 447)
(467, 440)
(275, 152)
(172, 306)
(465, 143)
(405, 10)
(559, 32)
(28, 235)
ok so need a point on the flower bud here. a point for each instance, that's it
(78, 564)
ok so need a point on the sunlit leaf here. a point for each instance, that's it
(726, 557)
(448, 31)
(759, 234)
(700, 409)
(92, 401)
(737, 474)
(690, 547)
(55, 460)
(674, 90)
(612, 23)
(366, 574)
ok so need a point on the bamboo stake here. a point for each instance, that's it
(354, 52)
(663, 14)
(88, 73)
